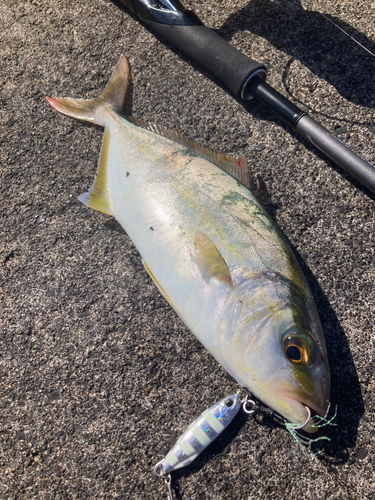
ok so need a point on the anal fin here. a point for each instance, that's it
(98, 196)
(160, 288)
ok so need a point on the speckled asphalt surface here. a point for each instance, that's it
(98, 375)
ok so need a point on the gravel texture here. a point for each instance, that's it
(98, 375)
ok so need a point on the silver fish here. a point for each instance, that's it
(213, 252)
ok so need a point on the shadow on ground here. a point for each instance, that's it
(314, 41)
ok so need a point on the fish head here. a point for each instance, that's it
(273, 344)
(301, 382)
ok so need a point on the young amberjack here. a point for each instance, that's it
(213, 252)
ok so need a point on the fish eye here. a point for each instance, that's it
(294, 353)
(296, 350)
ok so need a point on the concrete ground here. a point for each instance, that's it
(99, 376)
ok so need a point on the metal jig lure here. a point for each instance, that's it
(213, 421)
(201, 433)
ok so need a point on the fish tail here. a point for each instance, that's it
(90, 109)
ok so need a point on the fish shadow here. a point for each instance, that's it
(346, 394)
(314, 41)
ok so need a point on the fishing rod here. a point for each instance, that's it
(243, 76)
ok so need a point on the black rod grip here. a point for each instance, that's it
(212, 53)
(274, 101)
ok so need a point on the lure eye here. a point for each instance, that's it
(229, 403)
(296, 351)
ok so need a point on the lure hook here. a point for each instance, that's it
(306, 443)
(168, 484)
(301, 426)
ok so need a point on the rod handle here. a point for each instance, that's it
(212, 53)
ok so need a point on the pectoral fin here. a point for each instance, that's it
(209, 260)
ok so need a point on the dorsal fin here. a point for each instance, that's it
(235, 168)
(209, 260)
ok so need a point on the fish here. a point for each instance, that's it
(213, 252)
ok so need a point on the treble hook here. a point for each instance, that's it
(168, 484)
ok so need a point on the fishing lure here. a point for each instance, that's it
(200, 434)
(213, 421)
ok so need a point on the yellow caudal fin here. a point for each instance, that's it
(89, 109)
(98, 196)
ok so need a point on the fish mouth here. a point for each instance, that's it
(306, 408)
